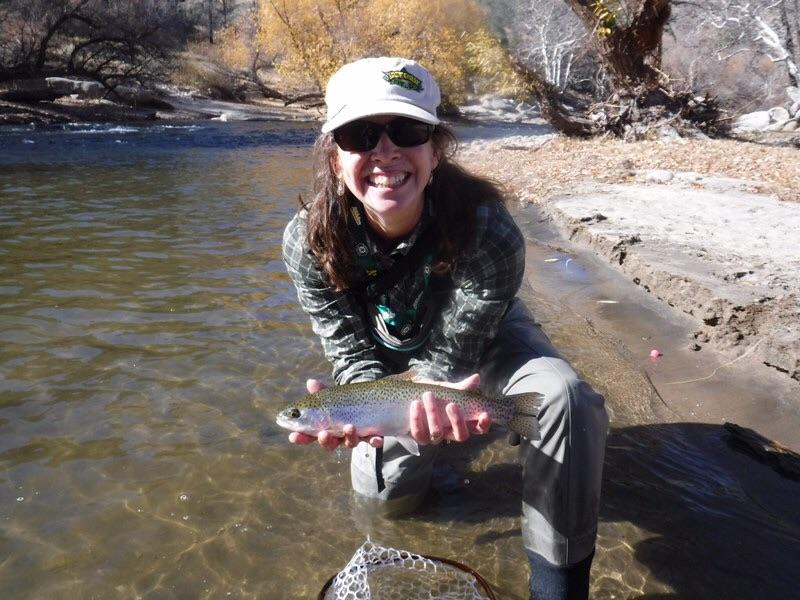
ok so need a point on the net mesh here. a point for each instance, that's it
(378, 573)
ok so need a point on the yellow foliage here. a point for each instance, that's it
(309, 39)
(233, 49)
(606, 17)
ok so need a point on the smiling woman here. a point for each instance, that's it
(405, 262)
(389, 179)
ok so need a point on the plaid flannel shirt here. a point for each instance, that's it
(485, 277)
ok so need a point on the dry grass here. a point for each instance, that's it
(563, 163)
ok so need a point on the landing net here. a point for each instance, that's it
(378, 573)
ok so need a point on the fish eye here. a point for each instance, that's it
(294, 413)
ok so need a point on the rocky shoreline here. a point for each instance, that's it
(720, 249)
(58, 100)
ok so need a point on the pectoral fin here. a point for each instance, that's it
(407, 442)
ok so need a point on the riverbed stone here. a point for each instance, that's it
(779, 115)
(753, 121)
(659, 176)
(777, 126)
(792, 125)
(46, 89)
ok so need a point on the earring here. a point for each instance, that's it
(430, 181)
(339, 187)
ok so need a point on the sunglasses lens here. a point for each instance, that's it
(408, 132)
(360, 136)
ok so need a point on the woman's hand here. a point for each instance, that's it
(433, 421)
(327, 440)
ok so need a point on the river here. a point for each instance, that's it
(150, 334)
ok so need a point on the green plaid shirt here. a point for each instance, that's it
(485, 278)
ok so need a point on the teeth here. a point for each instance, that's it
(387, 180)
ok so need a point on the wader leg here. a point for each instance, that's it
(397, 477)
(562, 471)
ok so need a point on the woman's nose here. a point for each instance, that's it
(385, 147)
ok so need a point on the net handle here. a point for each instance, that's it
(453, 563)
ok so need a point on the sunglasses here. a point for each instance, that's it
(360, 136)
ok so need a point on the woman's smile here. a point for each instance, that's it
(388, 180)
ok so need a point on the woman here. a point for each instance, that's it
(405, 262)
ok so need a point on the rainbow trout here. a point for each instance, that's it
(382, 408)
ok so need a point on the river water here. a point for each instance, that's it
(150, 334)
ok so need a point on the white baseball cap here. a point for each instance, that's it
(381, 86)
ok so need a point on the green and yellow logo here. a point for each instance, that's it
(404, 79)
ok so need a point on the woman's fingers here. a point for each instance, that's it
(327, 441)
(301, 438)
(458, 425)
(431, 421)
(470, 383)
(482, 425)
(351, 438)
(437, 421)
(331, 442)
(418, 423)
(314, 385)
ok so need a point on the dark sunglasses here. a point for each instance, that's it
(360, 136)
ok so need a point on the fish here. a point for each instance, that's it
(382, 408)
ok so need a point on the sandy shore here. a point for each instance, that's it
(711, 228)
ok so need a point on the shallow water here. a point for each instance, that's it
(149, 335)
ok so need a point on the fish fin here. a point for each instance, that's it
(525, 420)
(407, 442)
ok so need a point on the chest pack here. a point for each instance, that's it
(409, 329)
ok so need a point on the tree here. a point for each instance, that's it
(627, 37)
(308, 40)
(624, 39)
(790, 18)
(772, 29)
(547, 36)
(111, 41)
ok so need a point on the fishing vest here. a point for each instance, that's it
(409, 329)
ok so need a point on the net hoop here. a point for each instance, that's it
(484, 585)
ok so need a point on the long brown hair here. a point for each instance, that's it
(455, 194)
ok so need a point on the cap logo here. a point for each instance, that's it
(404, 79)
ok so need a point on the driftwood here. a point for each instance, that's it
(307, 100)
(781, 459)
(640, 112)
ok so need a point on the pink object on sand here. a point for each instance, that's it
(654, 353)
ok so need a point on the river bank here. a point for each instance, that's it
(172, 107)
(707, 226)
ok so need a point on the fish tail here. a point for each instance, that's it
(525, 419)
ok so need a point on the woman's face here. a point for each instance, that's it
(389, 181)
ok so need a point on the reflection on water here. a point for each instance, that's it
(149, 335)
